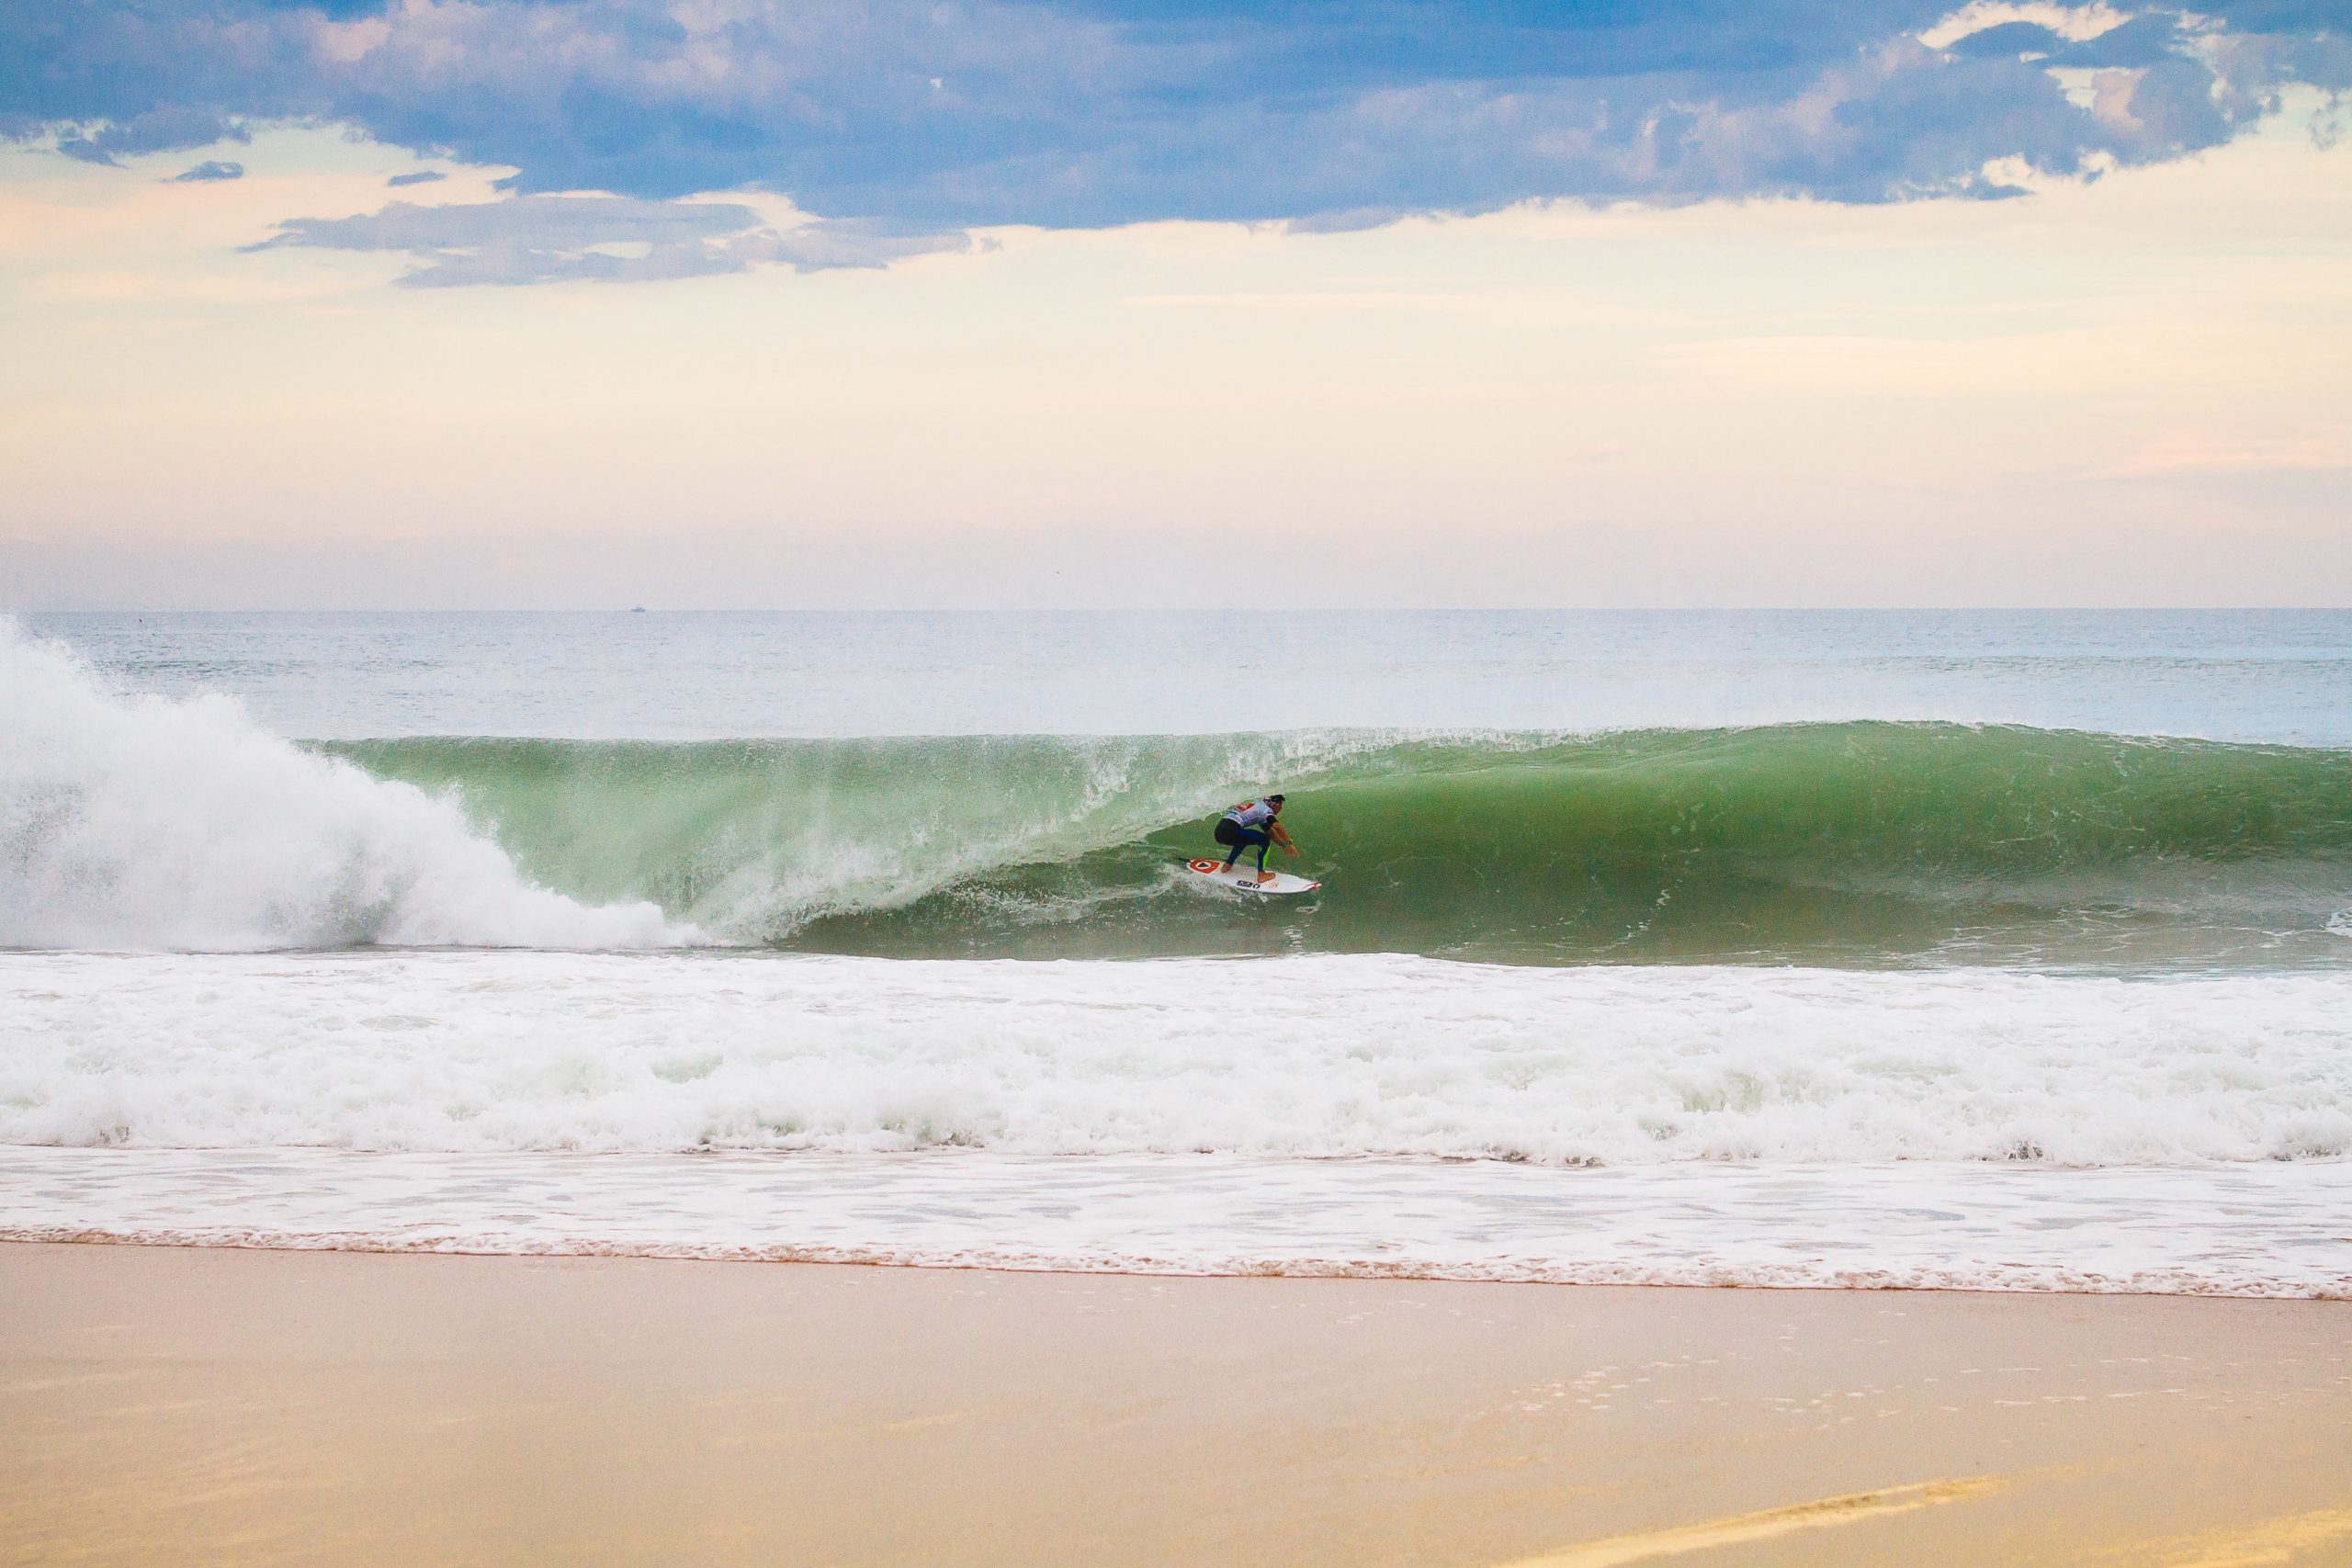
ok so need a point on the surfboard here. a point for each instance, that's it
(1245, 877)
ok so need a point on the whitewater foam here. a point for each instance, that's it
(2263, 1230)
(1315, 1056)
(133, 822)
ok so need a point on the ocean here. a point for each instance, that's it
(1989, 950)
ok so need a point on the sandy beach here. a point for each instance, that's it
(163, 1406)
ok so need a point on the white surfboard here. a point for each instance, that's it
(1245, 877)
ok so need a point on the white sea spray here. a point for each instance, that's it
(136, 822)
(1316, 1057)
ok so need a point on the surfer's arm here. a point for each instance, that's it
(1276, 828)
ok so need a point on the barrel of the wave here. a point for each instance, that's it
(1816, 843)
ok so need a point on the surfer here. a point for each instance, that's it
(1254, 823)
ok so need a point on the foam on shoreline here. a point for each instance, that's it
(2263, 1231)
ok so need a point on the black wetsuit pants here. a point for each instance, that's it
(1236, 838)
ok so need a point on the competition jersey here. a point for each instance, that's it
(1251, 814)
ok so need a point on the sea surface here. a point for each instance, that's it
(1998, 950)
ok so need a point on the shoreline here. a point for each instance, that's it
(167, 1405)
(1121, 1268)
(2271, 1231)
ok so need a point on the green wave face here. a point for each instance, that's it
(1849, 842)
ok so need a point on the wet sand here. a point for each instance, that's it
(163, 1406)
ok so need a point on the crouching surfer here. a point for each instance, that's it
(1254, 824)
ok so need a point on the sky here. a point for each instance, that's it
(848, 303)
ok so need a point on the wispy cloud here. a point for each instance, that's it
(2070, 23)
(547, 239)
(2191, 457)
(211, 169)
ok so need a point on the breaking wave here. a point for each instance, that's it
(130, 821)
(135, 822)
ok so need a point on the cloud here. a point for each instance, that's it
(416, 178)
(932, 117)
(2074, 22)
(2017, 40)
(2141, 41)
(547, 239)
(161, 127)
(2254, 457)
(210, 169)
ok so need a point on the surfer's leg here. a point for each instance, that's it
(1240, 838)
(1255, 837)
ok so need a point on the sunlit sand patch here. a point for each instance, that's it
(2275, 1543)
(1821, 1514)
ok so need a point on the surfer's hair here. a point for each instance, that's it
(1273, 800)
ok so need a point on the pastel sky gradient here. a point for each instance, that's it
(733, 303)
